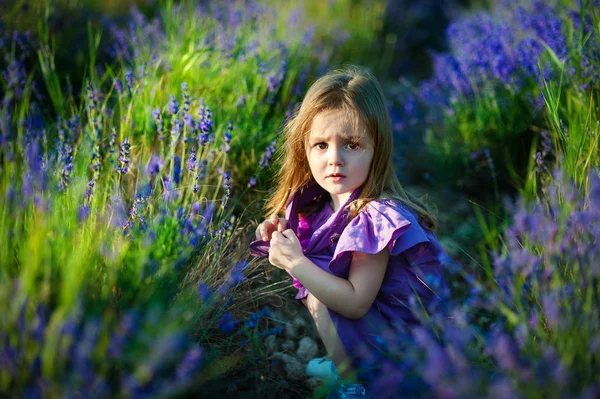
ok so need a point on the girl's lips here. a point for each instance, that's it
(336, 178)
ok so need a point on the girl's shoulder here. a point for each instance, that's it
(388, 205)
(382, 223)
(382, 213)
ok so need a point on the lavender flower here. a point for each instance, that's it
(15, 77)
(172, 106)
(241, 101)
(192, 160)
(227, 185)
(67, 168)
(139, 200)
(176, 128)
(123, 157)
(154, 165)
(169, 191)
(129, 78)
(126, 328)
(189, 121)
(266, 157)
(252, 321)
(176, 169)
(205, 124)
(235, 277)
(227, 324)
(91, 96)
(117, 211)
(89, 191)
(226, 147)
(112, 144)
(159, 123)
(200, 174)
(204, 292)
(187, 101)
(191, 362)
(118, 85)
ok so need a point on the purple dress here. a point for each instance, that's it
(328, 240)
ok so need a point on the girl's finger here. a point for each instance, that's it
(257, 232)
(274, 219)
(264, 230)
(275, 236)
(283, 223)
(289, 234)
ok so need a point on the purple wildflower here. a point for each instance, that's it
(204, 292)
(200, 174)
(67, 168)
(187, 102)
(241, 101)
(235, 277)
(129, 78)
(176, 128)
(112, 144)
(189, 121)
(176, 169)
(89, 191)
(190, 364)
(192, 160)
(551, 310)
(227, 324)
(226, 147)
(169, 191)
(123, 157)
(252, 321)
(172, 106)
(154, 165)
(160, 127)
(117, 211)
(266, 158)
(118, 85)
(205, 123)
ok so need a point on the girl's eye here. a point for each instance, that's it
(321, 146)
(352, 146)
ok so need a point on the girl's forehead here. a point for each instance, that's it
(337, 123)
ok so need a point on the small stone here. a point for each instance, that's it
(294, 370)
(301, 326)
(307, 349)
(291, 331)
(288, 346)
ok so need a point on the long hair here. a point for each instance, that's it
(354, 90)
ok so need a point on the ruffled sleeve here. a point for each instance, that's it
(381, 224)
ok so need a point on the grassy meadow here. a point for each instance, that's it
(138, 142)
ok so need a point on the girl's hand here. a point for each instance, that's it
(285, 248)
(266, 228)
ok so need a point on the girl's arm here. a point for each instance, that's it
(351, 298)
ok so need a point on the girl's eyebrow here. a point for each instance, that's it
(321, 138)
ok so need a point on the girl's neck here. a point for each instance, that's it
(336, 201)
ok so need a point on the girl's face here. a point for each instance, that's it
(339, 156)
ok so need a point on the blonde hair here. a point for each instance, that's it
(357, 91)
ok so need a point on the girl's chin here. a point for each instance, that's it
(338, 190)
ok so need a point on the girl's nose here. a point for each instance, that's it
(335, 157)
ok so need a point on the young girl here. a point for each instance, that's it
(355, 242)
